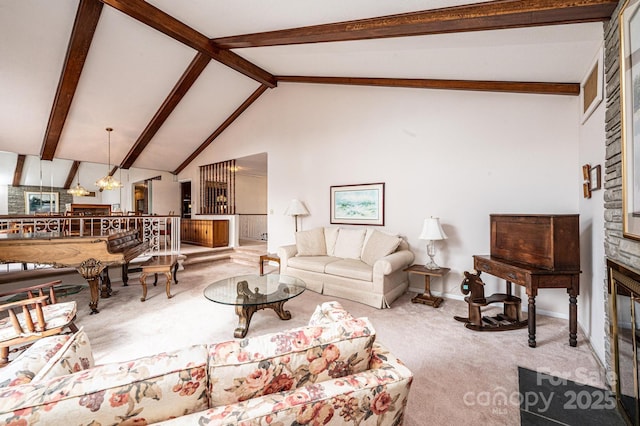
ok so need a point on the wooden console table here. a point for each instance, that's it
(533, 279)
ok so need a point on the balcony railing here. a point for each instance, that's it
(162, 232)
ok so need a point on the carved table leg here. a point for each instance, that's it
(532, 321)
(280, 310)
(175, 273)
(244, 319)
(105, 287)
(573, 320)
(90, 270)
(125, 274)
(143, 282)
(168, 285)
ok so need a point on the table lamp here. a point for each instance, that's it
(432, 232)
(295, 209)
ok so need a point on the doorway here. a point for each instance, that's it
(185, 196)
(141, 197)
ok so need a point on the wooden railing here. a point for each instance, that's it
(162, 232)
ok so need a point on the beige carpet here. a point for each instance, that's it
(461, 376)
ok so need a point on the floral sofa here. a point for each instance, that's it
(364, 265)
(329, 372)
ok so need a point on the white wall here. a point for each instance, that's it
(592, 136)
(251, 194)
(456, 155)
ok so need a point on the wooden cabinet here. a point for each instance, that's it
(208, 233)
(91, 209)
(543, 241)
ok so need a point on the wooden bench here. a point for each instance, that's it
(166, 264)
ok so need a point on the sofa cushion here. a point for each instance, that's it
(330, 237)
(74, 355)
(244, 369)
(25, 367)
(378, 246)
(141, 391)
(311, 263)
(329, 312)
(350, 268)
(349, 243)
(311, 242)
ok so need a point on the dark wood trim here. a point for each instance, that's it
(251, 99)
(113, 171)
(572, 89)
(197, 65)
(170, 26)
(491, 15)
(17, 174)
(84, 27)
(72, 173)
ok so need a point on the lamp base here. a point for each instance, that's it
(431, 264)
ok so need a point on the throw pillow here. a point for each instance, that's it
(311, 243)
(74, 355)
(25, 367)
(330, 237)
(378, 246)
(349, 243)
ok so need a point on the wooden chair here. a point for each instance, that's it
(37, 316)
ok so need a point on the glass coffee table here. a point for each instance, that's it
(250, 293)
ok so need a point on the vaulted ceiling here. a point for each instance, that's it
(170, 76)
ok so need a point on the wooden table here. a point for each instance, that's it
(166, 265)
(270, 257)
(426, 298)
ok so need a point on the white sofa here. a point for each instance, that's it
(364, 265)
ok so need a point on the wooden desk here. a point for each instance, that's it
(270, 257)
(426, 298)
(533, 279)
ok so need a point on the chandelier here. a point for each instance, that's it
(109, 182)
(79, 190)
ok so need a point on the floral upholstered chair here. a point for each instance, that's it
(33, 317)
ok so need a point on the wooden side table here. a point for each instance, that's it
(426, 298)
(269, 257)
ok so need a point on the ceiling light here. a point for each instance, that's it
(79, 190)
(109, 182)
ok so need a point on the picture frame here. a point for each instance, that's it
(591, 87)
(361, 204)
(41, 202)
(629, 28)
(595, 178)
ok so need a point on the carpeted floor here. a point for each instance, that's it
(461, 376)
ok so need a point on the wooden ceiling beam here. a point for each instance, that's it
(170, 26)
(193, 71)
(251, 99)
(84, 28)
(572, 89)
(72, 173)
(17, 173)
(493, 15)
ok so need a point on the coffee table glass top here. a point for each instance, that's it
(254, 289)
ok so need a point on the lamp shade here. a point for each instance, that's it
(431, 230)
(296, 208)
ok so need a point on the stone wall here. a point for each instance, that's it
(15, 198)
(616, 247)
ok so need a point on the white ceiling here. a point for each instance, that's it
(131, 68)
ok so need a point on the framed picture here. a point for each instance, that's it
(595, 178)
(41, 202)
(358, 204)
(629, 19)
(591, 87)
